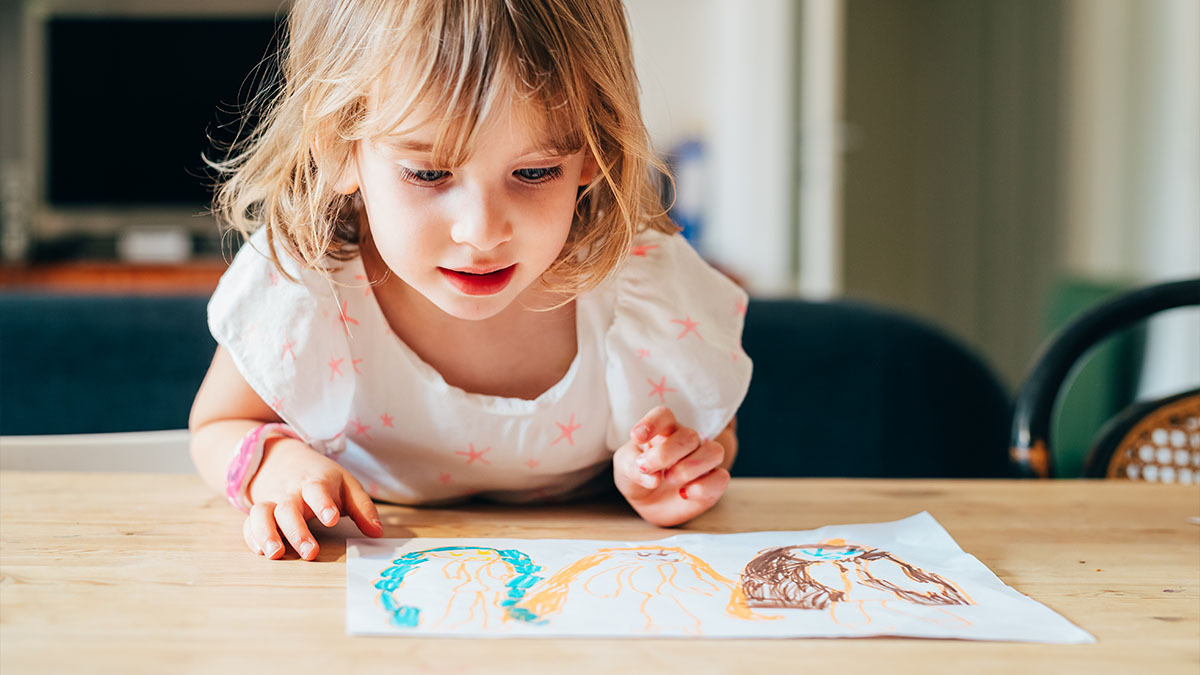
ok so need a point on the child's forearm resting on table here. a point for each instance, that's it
(213, 444)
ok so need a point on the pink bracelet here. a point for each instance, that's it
(246, 460)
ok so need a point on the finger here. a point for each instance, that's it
(658, 422)
(248, 535)
(360, 508)
(706, 490)
(632, 481)
(261, 522)
(701, 461)
(289, 515)
(663, 453)
(317, 497)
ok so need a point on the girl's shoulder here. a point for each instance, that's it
(663, 272)
(255, 266)
(672, 336)
(281, 332)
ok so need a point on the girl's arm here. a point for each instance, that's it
(294, 483)
(225, 410)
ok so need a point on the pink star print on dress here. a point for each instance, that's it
(660, 389)
(361, 429)
(472, 455)
(567, 429)
(345, 318)
(689, 326)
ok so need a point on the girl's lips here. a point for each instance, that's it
(479, 284)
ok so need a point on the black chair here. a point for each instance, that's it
(845, 389)
(1129, 442)
(90, 364)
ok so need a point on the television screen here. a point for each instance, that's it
(132, 104)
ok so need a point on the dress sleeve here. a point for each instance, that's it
(675, 340)
(288, 342)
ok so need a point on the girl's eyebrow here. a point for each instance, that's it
(408, 144)
(411, 145)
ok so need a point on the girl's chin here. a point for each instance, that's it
(474, 308)
(479, 311)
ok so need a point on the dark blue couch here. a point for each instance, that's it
(839, 389)
(91, 364)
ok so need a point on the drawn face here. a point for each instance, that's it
(471, 239)
(818, 552)
(474, 555)
(656, 556)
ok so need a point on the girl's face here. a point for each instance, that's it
(471, 238)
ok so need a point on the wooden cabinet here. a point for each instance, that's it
(199, 277)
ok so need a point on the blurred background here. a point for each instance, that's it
(991, 166)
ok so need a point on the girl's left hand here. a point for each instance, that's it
(667, 472)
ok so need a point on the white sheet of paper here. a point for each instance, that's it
(904, 578)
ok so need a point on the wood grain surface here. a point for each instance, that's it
(148, 573)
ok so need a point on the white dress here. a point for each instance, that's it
(665, 329)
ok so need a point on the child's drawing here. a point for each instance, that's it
(656, 588)
(905, 578)
(480, 587)
(857, 584)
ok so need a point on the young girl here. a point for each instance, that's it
(458, 279)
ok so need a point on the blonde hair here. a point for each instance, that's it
(459, 58)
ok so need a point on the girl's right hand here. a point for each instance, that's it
(294, 484)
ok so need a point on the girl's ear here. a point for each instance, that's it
(345, 172)
(589, 169)
(346, 182)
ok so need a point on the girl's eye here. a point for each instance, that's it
(539, 175)
(423, 176)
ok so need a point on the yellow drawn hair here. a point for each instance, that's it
(572, 58)
(550, 596)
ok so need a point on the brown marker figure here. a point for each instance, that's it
(846, 579)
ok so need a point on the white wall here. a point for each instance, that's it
(724, 70)
(1132, 197)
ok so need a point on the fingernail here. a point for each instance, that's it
(683, 492)
(378, 525)
(327, 515)
(648, 480)
(305, 549)
(642, 467)
(271, 548)
(641, 432)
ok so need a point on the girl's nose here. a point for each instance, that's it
(481, 223)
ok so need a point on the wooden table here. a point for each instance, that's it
(148, 573)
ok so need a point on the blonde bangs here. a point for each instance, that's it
(477, 68)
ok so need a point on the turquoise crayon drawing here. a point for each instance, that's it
(487, 584)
